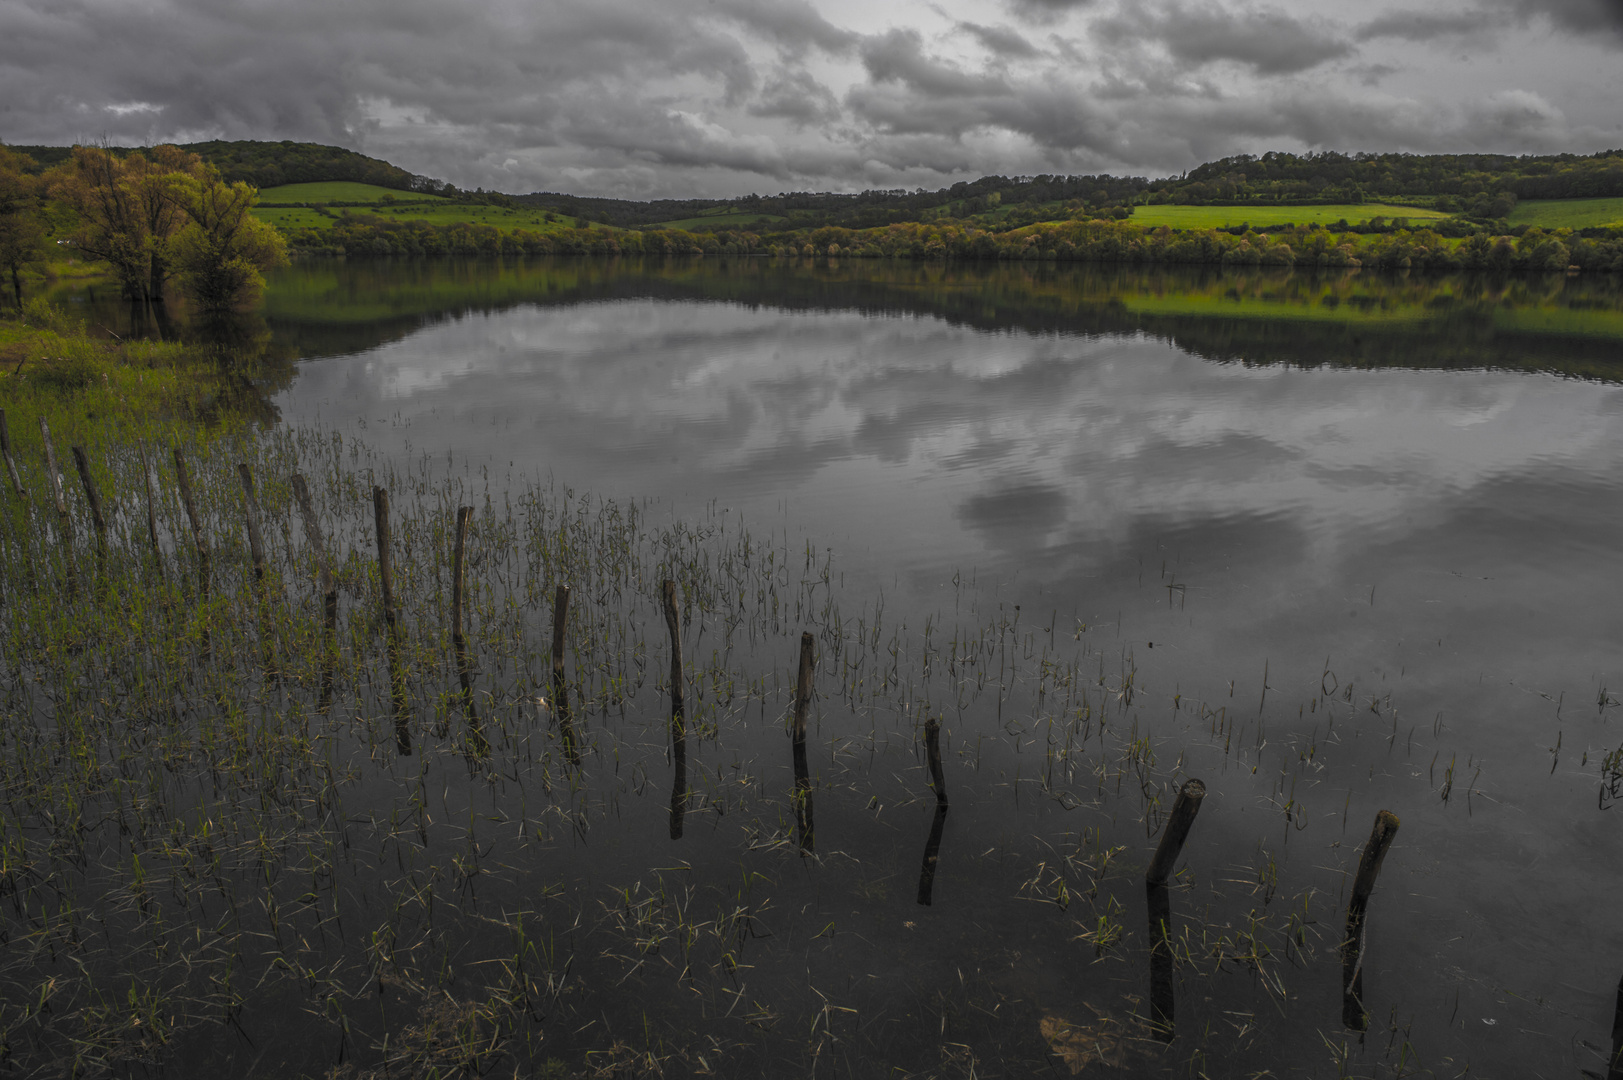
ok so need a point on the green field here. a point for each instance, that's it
(1568, 213)
(330, 191)
(1219, 217)
(444, 213)
(731, 219)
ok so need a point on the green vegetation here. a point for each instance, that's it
(341, 191)
(728, 219)
(1570, 213)
(1223, 217)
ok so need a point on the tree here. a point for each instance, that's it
(22, 238)
(222, 249)
(127, 209)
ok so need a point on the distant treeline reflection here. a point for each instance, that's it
(1566, 324)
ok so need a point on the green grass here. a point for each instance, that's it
(328, 191)
(1218, 217)
(1568, 213)
(444, 213)
(728, 219)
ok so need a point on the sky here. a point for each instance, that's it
(719, 98)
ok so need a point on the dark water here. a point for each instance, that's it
(1369, 527)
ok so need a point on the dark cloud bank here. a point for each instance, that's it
(730, 96)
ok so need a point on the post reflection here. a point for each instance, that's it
(932, 849)
(1162, 999)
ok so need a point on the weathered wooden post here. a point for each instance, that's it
(679, 742)
(397, 685)
(560, 682)
(932, 847)
(329, 589)
(932, 749)
(804, 821)
(152, 511)
(1182, 819)
(1158, 899)
(98, 520)
(464, 668)
(256, 549)
(65, 523)
(1381, 836)
(11, 464)
(183, 477)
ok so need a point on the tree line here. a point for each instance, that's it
(1390, 246)
(152, 216)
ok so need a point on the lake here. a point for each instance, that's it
(1332, 544)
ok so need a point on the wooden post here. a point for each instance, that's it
(932, 852)
(1177, 831)
(256, 539)
(464, 668)
(1381, 836)
(679, 742)
(11, 464)
(329, 588)
(932, 748)
(183, 477)
(152, 509)
(98, 520)
(804, 821)
(560, 684)
(397, 687)
(54, 474)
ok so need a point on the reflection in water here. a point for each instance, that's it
(1614, 1070)
(932, 847)
(560, 685)
(679, 732)
(932, 850)
(803, 792)
(1162, 999)
(1353, 1014)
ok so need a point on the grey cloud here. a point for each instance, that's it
(897, 56)
(1001, 41)
(793, 25)
(1427, 25)
(1269, 40)
(1046, 11)
(793, 94)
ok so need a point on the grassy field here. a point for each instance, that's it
(1217, 217)
(328, 191)
(1568, 213)
(731, 219)
(445, 213)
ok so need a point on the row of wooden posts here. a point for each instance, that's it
(1156, 878)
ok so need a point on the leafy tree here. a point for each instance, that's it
(127, 209)
(22, 239)
(222, 249)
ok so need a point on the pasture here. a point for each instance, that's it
(1222, 217)
(1568, 213)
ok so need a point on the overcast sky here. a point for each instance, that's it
(652, 98)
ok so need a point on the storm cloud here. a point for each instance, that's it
(722, 97)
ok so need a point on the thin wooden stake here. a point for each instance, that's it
(803, 791)
(81, 462)
(183, 477)
(11, 464)
(256, 539)
(679, 742)
(464, 667)
(1177, 831)
(397, 682)
(329, 588)
(932, 749)
(54, 474)
(152, 509)
(560, 684)
(1381, 836)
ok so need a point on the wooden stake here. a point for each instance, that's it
(679, 742)
(11, 465)
(329, 588)
(54, 474)
(1163, 1001)
(560, 684)
(932, 853)
(804, 820)
(1381, 836)
(183, 477)
(932, 748)
(464, 668)
(1177, 831)
(397, 683)
(152, 509)
(256, 539)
